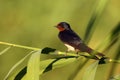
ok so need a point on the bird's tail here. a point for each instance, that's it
(95, 54)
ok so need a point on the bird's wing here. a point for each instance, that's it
(70, 37)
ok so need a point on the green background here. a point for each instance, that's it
(31, 23)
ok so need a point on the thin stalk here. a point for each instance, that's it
(19, 46)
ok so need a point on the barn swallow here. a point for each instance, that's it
(72, 41)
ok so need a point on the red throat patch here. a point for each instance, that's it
(61, 28)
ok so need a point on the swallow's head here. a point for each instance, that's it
(63, 26)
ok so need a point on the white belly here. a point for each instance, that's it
(70, 48)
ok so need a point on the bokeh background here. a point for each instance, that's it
(31, 23)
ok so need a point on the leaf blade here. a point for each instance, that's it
(90, 71)
(33, 67)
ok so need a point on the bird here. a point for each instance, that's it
(72, 40)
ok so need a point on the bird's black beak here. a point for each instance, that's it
(55, 26)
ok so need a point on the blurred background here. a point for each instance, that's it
(31, 23)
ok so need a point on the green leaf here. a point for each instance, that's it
(94, 18)
(59, 62)
(116, 77)
(47, 50)
(63, 62)
(90, 71)
(33, 67)
(114, 37)
(21, 74)
(16, 68)
(5, 50)
(65, 69)
(44, 65)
